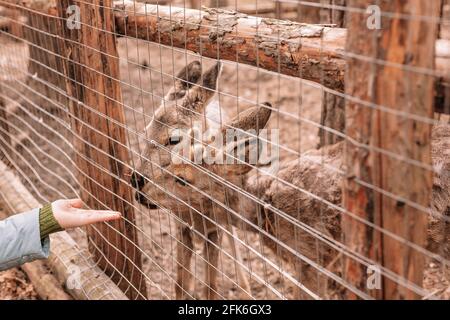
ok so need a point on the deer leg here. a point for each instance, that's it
(298, 293)
(307, 278)
(243, 283)
(314, 280)
(211, 254)
(185, 248)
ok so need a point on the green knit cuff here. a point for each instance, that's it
(47, 222)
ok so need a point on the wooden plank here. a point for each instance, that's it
(407, 42)
(92, 73)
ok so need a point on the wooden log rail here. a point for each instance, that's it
(311, 52)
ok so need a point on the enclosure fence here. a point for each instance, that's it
(256, 149)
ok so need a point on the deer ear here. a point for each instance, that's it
(255, 118)
(185, 79)
(199, 96)
(241, 139)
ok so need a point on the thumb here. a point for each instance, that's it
(76, 203)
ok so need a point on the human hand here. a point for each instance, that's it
(69, 214)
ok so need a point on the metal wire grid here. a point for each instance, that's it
(265, 260)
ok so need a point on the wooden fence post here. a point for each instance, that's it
(333, 106)
(404, 43)
(92, 72)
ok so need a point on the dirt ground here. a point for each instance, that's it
(43, 155)
(14, 285)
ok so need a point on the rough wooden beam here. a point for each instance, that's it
(66, 257)
(46, 284)
(399, 41)
(311, 52)
(68, 260)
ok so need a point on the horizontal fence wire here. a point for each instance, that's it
(348, 194)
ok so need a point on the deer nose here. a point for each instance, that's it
(137, 180)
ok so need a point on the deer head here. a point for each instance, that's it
(171, 172)
(183, 105)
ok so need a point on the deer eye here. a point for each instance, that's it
(181, 181)
(173, 141)
(174, 137)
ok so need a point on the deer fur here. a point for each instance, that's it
(313, 173)
(316, 172)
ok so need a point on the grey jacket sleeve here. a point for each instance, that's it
(20, 240)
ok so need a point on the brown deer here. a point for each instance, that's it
(190, 101)
(293, 206)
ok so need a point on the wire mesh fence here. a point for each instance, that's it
(257, 149)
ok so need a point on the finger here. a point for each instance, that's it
(76, 203)
(85, 211)
(93, 216)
